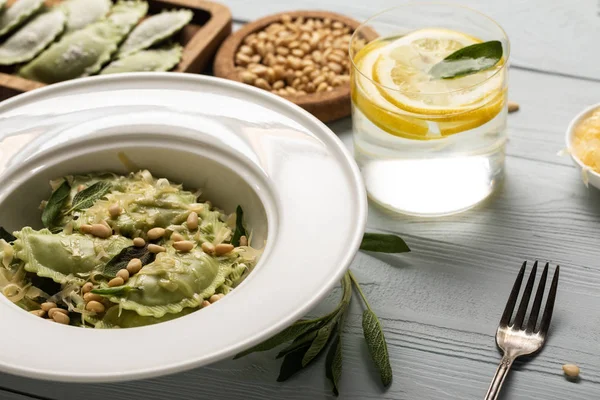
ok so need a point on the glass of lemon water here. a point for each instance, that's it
(429, 106)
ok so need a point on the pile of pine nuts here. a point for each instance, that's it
(296, 56)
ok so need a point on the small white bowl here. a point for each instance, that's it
(588, 175)
(298, 185)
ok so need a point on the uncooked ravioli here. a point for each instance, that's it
(32, 38)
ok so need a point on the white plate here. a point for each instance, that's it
(243, 145)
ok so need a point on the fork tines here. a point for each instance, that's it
(517, 323)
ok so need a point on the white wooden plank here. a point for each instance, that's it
(441, 303)
(556, 36)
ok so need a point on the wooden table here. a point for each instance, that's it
(440, 304)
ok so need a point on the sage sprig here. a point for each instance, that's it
(468, 60)
(121, 260)
(382, 243)
(374, 337)
(88, 196)
(239, 227)
(55, 204)
(310, 337)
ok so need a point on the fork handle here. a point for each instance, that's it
(499, 377)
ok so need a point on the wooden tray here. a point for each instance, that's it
(201, 39)
(326, 106)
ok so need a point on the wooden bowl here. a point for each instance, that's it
(326, 106)
(200, 39)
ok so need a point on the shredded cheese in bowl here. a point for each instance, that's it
(586, 141)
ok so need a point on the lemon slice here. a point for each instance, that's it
(394, 84)
(380, 112)
(402, 66)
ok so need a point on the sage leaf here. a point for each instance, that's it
(88, 196)
(121, 260)
(300, 341)
(112, 291)
(333, 362)
(288, 334)
(55, 203)
(239, 227)
(377, 346)
(321, 340)
(468, 60)
(6, 235)
(292, 363)
(383, 243)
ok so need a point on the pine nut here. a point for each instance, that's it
(214, 298)
(118, 281)
(242, 59)
(183, 246)
(259, 70)
(48, 306)
(571, 370)
(223, 248)
(38, 313)
(255, 58)
(101, 231)
(512, 106)
(208, 248)
(134, 266)
(337, 68)
(282, 51)
(176, 237)
(154, 248)
(92, 297)
(55, 310)
(263, 84)
(123, 274)
(192, 221)
(87, 287)
(205, 303)
(278, 85)
(95, 306)
(322, 87)
(248, 77)
(115, 210)
(85, 228)
(245, 49)
(139, 242)
(155, 233)
(61, 318)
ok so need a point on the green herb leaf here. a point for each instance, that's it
(377, 345)
(321, 340)
(121, 260)
(88, 196)
(239, 227)
(290, 333)
(112, 291)
(382, 243)
(333, 362)
(300, 341)
(55, 204)
(468, 60)
(6, 235)
(292, 363)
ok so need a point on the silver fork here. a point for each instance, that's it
(520, 339)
